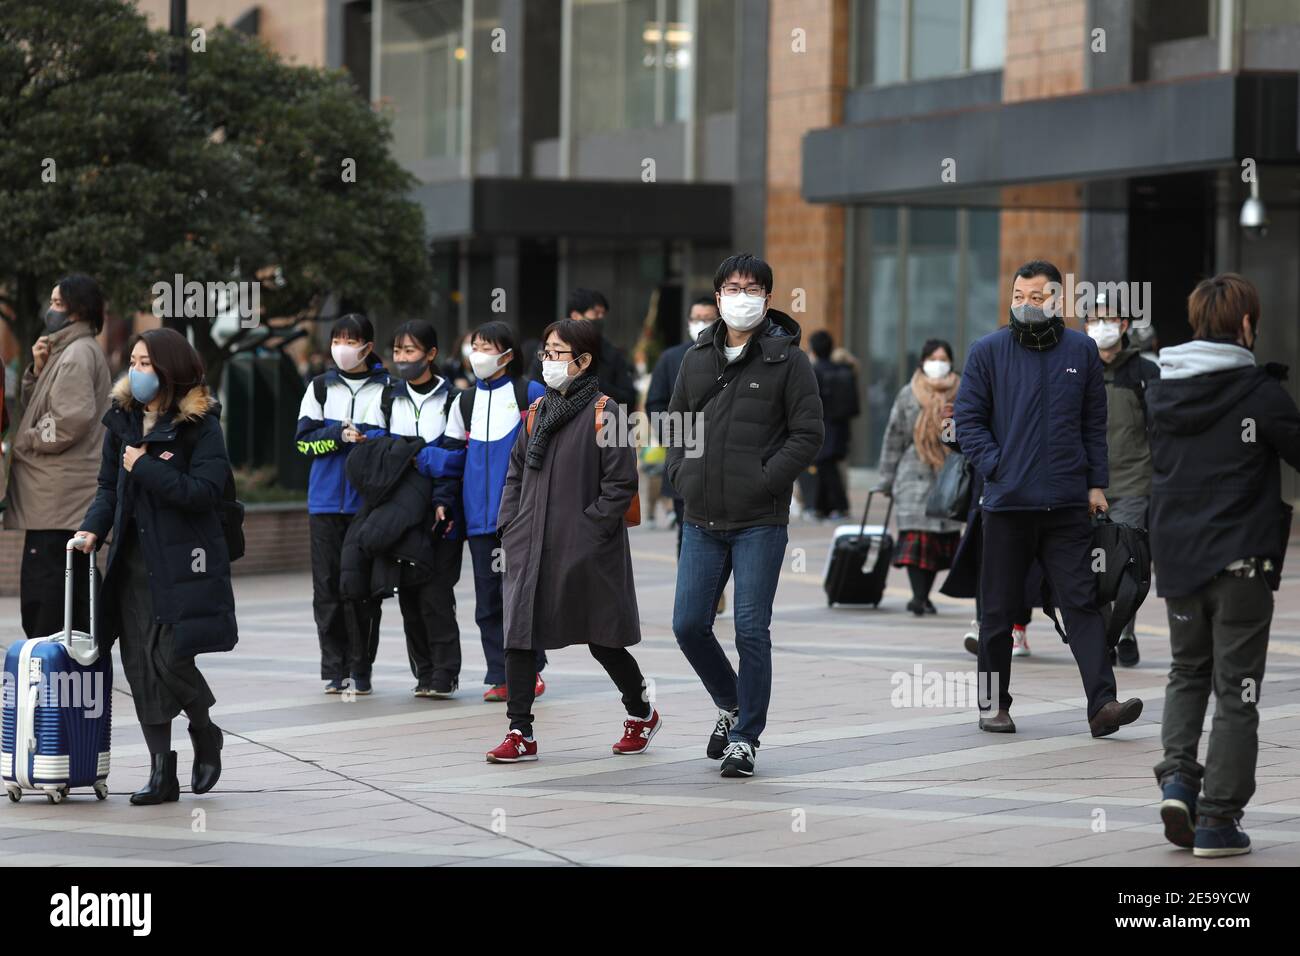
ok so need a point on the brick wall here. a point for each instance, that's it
(1046, 43)
(276, 537)
(805, 243)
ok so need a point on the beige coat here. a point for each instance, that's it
(57, 445)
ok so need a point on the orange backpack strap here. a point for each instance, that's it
(600, 410)
(632, 517)
(532, 414)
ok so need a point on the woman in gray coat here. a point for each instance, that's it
(568, 568)
(910, 459)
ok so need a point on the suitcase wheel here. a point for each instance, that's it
(101, 791)
(56, 796)
(15, 795)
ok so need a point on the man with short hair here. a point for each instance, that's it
(751, 396)
(1126, 373)
(1031, 417)
(1219, 530)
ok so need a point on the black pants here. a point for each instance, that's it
(521, 683)
(348, 630)
(429, 617)
(40, 584)
(832, 498)
(1060, 539)
(1219, 639)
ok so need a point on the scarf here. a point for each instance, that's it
(1038, 336)
(932, 395)
(555, 411)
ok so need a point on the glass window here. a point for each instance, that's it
(936, 38)
(884, 321)
(420, 58)
(1270, 13)
(879, 42)
(988, 34)
(485, 66)
(983, 282)
(932, 280)
(718, 20)
(1165, 20)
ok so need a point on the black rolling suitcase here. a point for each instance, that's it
(859, 561)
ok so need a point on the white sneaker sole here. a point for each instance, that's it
(1020, 652)
(1221, 851)
(523, 759)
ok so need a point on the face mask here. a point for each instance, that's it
(936, 368)
(55, 320)
(485, 364)
(743, 312)
(695, 328)
(1029, 314)
(410, 371)
(144, 386)
(347, 357)
(556, 374)
(1105, 334)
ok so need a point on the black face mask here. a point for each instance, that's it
(409, 371)
(56, 320)
(1037, 336)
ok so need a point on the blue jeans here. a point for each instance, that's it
(754, 556)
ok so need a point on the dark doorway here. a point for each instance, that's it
(1171, 245)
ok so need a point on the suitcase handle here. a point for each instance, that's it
(867, 510)
(67, 589)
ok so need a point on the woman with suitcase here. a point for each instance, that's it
(568, 567)
(912, 453)
(167, 593)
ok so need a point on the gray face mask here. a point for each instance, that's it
(1029, 314)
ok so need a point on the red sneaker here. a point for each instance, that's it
(496, 694)
(513, 749)
(540, 689)
(637, 734)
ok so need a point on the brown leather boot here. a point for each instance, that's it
(1114, 715)
(999, 723)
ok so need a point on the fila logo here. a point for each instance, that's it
(1073, 371)
(753, 385)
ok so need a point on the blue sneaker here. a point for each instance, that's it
(1178, 811)
(361, 685)
(335, 686)
(1220, 836)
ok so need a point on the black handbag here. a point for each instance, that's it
(950, 496)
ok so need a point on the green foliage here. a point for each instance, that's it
(235, 172)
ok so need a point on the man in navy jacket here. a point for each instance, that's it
(1031, 417)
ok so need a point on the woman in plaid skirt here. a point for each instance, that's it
(910, 459)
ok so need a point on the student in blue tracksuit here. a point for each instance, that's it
(486, 418)
(338, 409)
(417, 406)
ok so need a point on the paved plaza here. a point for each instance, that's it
(845, 777)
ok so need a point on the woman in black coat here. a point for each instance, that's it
(166, 590)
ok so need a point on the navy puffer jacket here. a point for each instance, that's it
(1034, 423)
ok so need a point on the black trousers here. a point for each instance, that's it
(348, 630)
(832, 497)
(1061, 540)
(429, 617)
(40, 584)
(521, 683)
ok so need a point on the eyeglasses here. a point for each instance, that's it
(546, 355)
(754, 290)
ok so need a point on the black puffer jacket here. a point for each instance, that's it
(170, 500)
(390, 541)
(759, 433)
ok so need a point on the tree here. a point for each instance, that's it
(239, 174)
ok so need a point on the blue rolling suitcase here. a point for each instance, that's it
(57, 709)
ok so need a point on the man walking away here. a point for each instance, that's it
(751, 395)
(1031, 417)
(838, 387)
(1127, 373)
(1219, 530)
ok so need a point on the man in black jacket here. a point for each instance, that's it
(617, 379)
(1219, 531)
(704, 312)
(748, 397)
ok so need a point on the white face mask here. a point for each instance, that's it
(1105, 334)
(487, 364)
(556, 374)
(695, 328)
(936, 368)
(743, 312)
(347, 357)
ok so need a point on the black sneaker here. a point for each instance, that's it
(1127, 652)
(738, 760)
(443, 687)
(929, 607)
(718, 740)
(360, 685)
(335, 686)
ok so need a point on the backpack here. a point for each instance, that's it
(232, 509)
(1124, 577)
(632, 517)
(467, 401)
